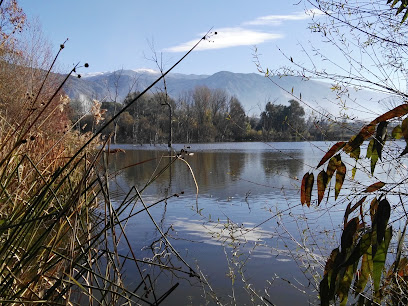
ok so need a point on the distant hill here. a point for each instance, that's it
(253, 90)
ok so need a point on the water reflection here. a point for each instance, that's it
(287, 164)
(222, 174)
(239, 184)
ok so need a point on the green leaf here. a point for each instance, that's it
(345, 283)
(361, 248)
(405, 16)
(324, 292)
(397, 132)
(404, 129)
(332, 166)
(340, 175)
(353, 172)
(347, 238)
(374, 159)
(351, 254)
(400, 9)
(374, 187)
(322, 181)
(381, 219)
(328, 269)
(327, 285)
(379, 261)
(363, 275)
(333, 150)
(370, 148)
(355, 154)
(380, 137)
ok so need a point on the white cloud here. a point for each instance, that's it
(278, 19)
(226, 38)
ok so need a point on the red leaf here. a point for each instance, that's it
(309, 187)
(322, 180)
(350, 210)
(366, 132)
(373, 209)
(374, 187)
(332, 166)
(333, 150)
(303, 189)
(306, 189)
(398, 111)
(357, 204)
(340, 175)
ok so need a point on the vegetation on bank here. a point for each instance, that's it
(60, 231)
(209, 115)
(366, 176)
(58, 244)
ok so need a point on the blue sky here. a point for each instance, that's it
(113, 35)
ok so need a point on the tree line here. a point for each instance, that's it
(208, 115)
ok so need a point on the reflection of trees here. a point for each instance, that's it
(214, 169)
(236, 163)
(287, 164)
(211, 170)
(138, 168)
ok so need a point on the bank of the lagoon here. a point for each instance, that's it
(245, 230)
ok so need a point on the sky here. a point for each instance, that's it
(111, 35)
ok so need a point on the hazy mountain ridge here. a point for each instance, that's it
(253, 90)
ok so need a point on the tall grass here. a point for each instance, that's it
(60, 230)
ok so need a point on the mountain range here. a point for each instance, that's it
(253, 90)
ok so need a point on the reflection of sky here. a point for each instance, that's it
(217, 233)
(248, 184)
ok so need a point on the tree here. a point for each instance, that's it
(282, 122)
(12, 21)
(237, 117)
(295, 118)
(137, 111)
(25, 59)
(202, 97)
(375, 205)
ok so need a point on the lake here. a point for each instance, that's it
(245, 232)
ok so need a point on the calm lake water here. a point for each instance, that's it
(245, 230)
